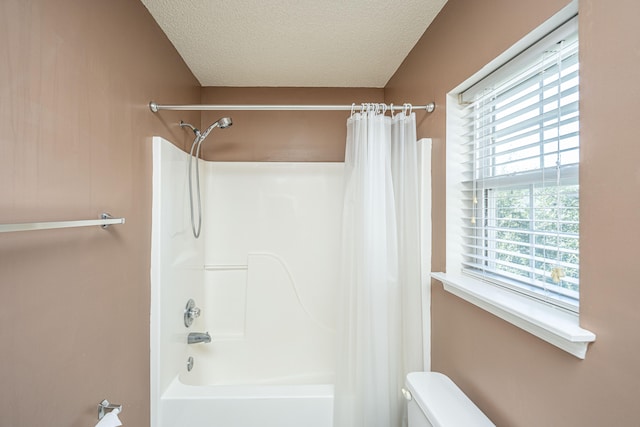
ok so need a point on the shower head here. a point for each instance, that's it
(222, 123)
(225, 122)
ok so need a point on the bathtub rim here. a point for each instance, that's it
(179, 390)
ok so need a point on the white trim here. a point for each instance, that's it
(424, 150)
(553, 325)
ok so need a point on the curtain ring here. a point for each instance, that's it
(410, 109)
(391, 110)
(353, 108)
(384, 109)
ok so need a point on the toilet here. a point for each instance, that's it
(435, 401)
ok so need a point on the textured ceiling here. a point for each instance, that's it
(297, 43)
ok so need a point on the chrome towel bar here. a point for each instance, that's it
(104, 221)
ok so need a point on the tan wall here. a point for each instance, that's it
(517, 379)
(75, 78)
(317, 136)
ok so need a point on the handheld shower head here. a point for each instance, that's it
(222, 123)
(225, 122)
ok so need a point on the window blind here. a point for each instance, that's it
(520, 161)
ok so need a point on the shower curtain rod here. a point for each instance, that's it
(155, 107)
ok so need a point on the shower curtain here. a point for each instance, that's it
(379, 320)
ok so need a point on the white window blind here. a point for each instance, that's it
(520, 162)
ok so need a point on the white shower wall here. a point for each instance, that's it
(272, 245)
(176, 268)
(264, 271)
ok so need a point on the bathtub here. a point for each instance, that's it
(285, 405)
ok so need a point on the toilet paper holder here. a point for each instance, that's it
(104, 405)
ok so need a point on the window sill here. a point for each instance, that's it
(552, 325)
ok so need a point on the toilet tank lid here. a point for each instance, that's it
(443, 402)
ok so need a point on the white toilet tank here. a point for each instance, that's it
(435, 401)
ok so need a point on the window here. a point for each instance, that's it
(520, 184)
(518, 138)
(512, 186)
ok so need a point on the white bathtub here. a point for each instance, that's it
(308, 405)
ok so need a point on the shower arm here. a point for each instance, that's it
(192, 127)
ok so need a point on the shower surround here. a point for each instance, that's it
(264, 273)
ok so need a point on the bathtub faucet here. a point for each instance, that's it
(198, 337)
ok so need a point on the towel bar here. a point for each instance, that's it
(104, 221)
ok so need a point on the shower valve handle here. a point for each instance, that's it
(191, 312)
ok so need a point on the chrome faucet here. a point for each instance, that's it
(198, 337)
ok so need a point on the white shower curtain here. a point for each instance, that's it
(379, 320)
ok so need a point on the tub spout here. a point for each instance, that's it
(198, 337)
